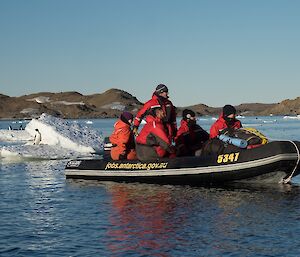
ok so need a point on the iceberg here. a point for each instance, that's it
(14, 135)
(60, 139)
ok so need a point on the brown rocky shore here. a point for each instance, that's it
(112, 102)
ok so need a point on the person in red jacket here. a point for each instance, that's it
(190, 136)
(122, 139)
(226, 120)
(153, 141)
(159, 99)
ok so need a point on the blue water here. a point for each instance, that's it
(43, 214)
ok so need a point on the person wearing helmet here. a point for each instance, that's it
(122, 139)
(190, 136)
(160, 98)
(227, 120)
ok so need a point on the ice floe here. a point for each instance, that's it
(292, 117)
(38, 152)
(59, 139)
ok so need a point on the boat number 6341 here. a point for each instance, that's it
(228, 157)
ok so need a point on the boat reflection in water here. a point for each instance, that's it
(147, 219)
(143, 219)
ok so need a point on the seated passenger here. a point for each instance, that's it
(226, 120)
(122, 139)
(160, 98)
(190, 136)
(153, 141)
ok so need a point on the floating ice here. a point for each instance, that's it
(69, 135)
(269, 121)
(14, 135)
(292, 117)
(38, 152)
(60, 139)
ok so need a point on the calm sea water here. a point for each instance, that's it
(43, 214)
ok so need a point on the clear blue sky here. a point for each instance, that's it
(211, 52)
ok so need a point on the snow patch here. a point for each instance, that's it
(40, 99)
(30, 111)
(69, 103)
(114, 106)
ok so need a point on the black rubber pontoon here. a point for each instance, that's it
(274, 162)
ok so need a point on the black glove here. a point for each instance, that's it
(123, 156)
(171, 149)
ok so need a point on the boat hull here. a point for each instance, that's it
(271, 163)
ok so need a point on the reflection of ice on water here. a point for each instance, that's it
(44, 183)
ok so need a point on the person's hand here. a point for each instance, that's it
(123, 156)
(171, 149)
(135, 130)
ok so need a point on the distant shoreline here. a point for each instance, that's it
(111, 103)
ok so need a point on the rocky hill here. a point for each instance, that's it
(248, 109)
(112, 102)
(286, 107)
(68, 105)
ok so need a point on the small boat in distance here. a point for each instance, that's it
(275, 162)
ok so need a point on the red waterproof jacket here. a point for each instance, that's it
(153, 134)
(190, 138)
(168, 108)
(220, 124)
(183, 129)
(122, 139)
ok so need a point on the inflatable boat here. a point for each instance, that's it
(275, 162)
